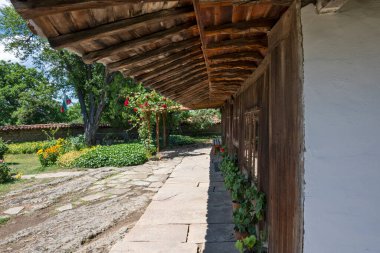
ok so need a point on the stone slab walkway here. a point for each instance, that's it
(191, 213)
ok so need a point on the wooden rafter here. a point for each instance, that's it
(330, 6)
(116, 27)
(155, 54)
(231, 72)
(239, 44)
(241, 56)
(174, 80)
(135, 43)
(233, 65)
(37, 8)
(167, 70)
(202, 35)
(186, 85)
(153, 65)
(253, 26)
(199, 72)
(178, 76)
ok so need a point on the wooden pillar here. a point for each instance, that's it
(164, 136)
(158, 131)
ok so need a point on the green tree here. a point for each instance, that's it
(91, 83)
(26, 96)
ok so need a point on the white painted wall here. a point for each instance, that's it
(342, 127)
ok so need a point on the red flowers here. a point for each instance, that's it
(68, 101)
(222, 150)
(62, 109)
(146, 104)
(135, 109)
(164, 106)
(126, 102)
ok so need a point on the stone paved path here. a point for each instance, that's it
(85, 211)
(191, 213)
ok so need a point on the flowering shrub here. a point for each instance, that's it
(28, 147)
(67, 159)
(49, 155)
(3, 149)
(142, 107)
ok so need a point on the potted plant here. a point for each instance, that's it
(246, 245)
(239, 185)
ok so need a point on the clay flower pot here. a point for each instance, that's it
(240, 235)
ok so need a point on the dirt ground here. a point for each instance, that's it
(87, 211)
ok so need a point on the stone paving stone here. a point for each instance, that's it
(201, 233)
(116, 191)
(154, 247)
(157, 178)
(162, 171)
(93, 197)
(137, 176)
(158, 233)
(156, 185)
(143, 169)
(139, 183)
(14, 210)
(64, 208)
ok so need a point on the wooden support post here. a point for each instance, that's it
(164, 128)
(158, 131)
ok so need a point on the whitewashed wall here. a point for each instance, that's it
(342, 127)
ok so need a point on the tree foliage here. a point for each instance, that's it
(26, 96)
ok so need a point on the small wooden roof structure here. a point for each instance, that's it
(196, 52)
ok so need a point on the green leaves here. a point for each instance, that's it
(247, 243)
(116, 155)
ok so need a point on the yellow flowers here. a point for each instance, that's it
(49, 155)
(18, 175)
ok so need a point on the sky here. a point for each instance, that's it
(6, 56)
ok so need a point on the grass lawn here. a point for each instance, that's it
(28, 164)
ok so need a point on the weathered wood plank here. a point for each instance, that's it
(155, 54)
(167, 70)
(36, 8)
(253, 43)
(253, 26)
(113, 28)
(241, 56)
(234, 65)
(144, 40)
(153, 65)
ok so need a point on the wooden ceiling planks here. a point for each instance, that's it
(198, 52)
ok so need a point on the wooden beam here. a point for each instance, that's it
(241, 56)
(174, 84)
(182, 76)
(155, 54)
(329, 6)
(135, 43)
(252, 26)
(253, 43)
(227, 79)
(185, 85)
(202, 35)
(166, 70)
(116, 27)
(234, 65)
(213, 3)
(153, 65)
(36, 8)
(231, 72)
(174, 75)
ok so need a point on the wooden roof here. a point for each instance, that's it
(196, 52)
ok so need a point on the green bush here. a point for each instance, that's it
(181, 140)
(28, 147)
(5, 173)
(3, 149)
(116, 155)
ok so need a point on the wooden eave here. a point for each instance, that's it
(197, 52)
